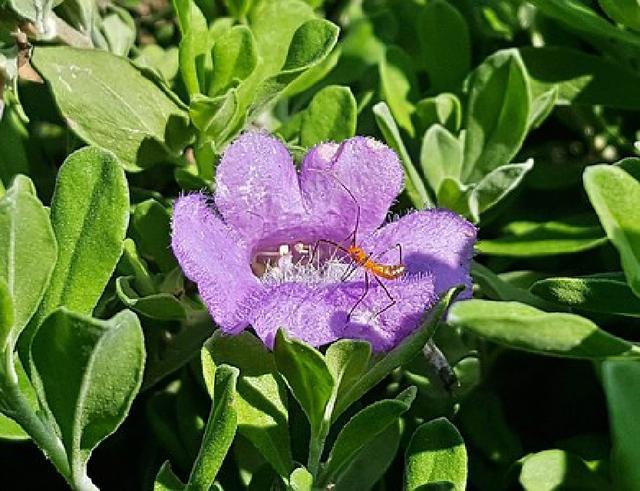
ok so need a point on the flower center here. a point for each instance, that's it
(298, 263)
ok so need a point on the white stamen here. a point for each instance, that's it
(303, 270)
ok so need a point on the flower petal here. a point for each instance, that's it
(437, 241)
(413, 296)
(257, 188)
(215, 258)
(306, 311)
(337, 179)
(317, 314)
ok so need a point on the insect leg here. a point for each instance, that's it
(366, 290)
(391, 299)
(382, 253)
(353, 266)
(326, 241)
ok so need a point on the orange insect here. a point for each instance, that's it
(360, 258)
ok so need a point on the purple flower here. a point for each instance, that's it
(256, 258)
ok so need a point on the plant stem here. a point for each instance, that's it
(19, 409)
(316, 446)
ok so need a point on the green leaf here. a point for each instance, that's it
(262, 399)
(581, 78)
(311, 44)
(164, 62)
(119, 30)
(331, 116)
(443, 109)
(496, 288)
(615, 195)
(7, 315)
(14, 141)
(371, 463)
(306, 374)
(524, 327)
(495, 186)
(235, 57)
(219, 432)
(362, 429)
(27, 255)
(89, 214)
(347, 360)
(413, 182)
(38, 11)
(440, 156)
(238, 8)
(541, 106)
(399, 86)
(621, 381)
(436, 454)
(151, 227)
(444, 45)
(581, 18)
(86, 373)
(631, 165)
(454, 195)
(498, 114)
(530, 239)
(107, 102)
(160, 306)
(166, 480)
(24, 184)
(10, 430)
(557, 469)
(301, 480)
(626, 12)
(400, 355)
(214, 116)
(194, 49)
(604, 294)
(273, 24)
(131, 263)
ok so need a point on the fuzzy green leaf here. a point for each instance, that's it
(235, 57)
(219, 432)
(524, 327)
(86, 373)
(89, 214)
(194, 49)
(497, 114)
(615, 195)
(362, 429)
(561, 236)
(307, 375)
(262, 399)
(440, 156)
(331, 116)
(107, 102)
(608, 294)
(413, 181)
(151, 229)
(436, 454)
(27, 255)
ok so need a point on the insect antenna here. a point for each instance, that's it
(352, 235)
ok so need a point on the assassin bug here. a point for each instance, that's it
(360, 258)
